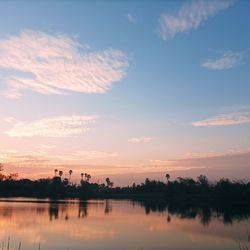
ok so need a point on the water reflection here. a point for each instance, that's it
(227, 212)
(83, 209)
(108, 207)
(128, 225)
(53, 211)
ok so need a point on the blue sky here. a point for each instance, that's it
(146, 82)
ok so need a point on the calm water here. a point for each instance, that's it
(112, 224)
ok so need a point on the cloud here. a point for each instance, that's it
(9, 119)
(234, 162)
(227, 60)
(41, 157)
(131, 18)
(16, 157)
(88, 155)
(140, 139)
(172, 165)
(215, 163)
(213, 154)
(224, 120)
(60, 126)
(56, 64)
(190, 16)
(46, 147)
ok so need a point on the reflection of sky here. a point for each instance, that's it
(112, 225)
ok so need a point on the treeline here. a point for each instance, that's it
(180, 188)
(190, 189)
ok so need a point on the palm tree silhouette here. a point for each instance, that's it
(109, 183)
(87, 177)
(55, 170)
(82, 174)
(167, 176)
(70, 173)
(61, 173)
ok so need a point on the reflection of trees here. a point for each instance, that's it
(152, 206)
(6, 212)
(55, 208)
(40, 210)
(229, 213)
(205, 216)
(83, 209)
(204, 212)
(53, 211)
(66, 216)
(108, 207)
(168, 218)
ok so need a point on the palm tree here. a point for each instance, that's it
(82, 181)
(61, 173)
(87, 177)
(55, 170)
(167, 176)
(109, 183)
(70, 173)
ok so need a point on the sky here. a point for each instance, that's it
(126, 89)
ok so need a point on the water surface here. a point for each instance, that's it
(118, 225)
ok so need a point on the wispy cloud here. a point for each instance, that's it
(61, 126)
(173, 165)
(227, 60)
(131, 18)
(191, 15)
(46, 147)
(213, 164)
(213, 154)
(224, 120)
(92, 155)
(45, 157)
(15, 157)
(56, 64)
(9, 119)
(140, 139)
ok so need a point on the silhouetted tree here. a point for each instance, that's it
(168, 177)
(182, 189)
(56, 171)
(70, 173)
(87, 177)
(65, 181)
(81, 181)
(203, 180)
(109, 183)
(60, 173)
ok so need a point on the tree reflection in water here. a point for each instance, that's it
(53, 211)
(226, 212)
(83, 209)
(108, 207)
(108, 222)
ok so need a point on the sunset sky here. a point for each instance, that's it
(125, 89)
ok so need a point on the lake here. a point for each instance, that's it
(118, 224)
